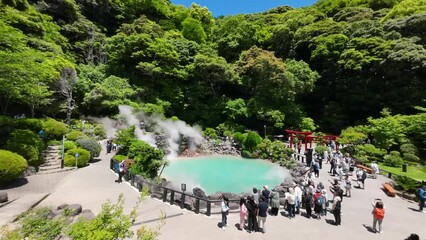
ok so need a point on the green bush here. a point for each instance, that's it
(370, 152)
(119, 157)
(210, 132)
(411, 157)
(32, 124)
(406, 183)
(321, 149)
(393, 159)
(69, 145)
(239, 137)
(83, 159)
(54, 129)
(90, 145)
(251, 141)
(12, 165)
(36, 224)
(148, 160)
(99, 131)
(75, 135)
(409, 148)
(27, 144)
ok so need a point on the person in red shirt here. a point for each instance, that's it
(378, 214)
(318, 203)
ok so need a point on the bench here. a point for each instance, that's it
(389, 189)
(369, 170)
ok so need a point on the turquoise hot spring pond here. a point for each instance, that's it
(224, 173)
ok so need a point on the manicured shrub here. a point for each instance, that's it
(27, 144)
(54, 129)
(12, 165)
(83, 158)
(239, 137)
(90, 145)
(411, 157)
(251, 141)
(409, 148)
(75, 135)
(393, 159)
(69, 145)
(32, 124)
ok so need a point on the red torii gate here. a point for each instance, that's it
(308, 138)
(295, 133)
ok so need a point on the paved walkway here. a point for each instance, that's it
(93, 185)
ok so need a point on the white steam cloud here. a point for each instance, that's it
(173, 130)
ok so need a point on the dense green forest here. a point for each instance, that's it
(333, 64)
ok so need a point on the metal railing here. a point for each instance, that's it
(174, 197)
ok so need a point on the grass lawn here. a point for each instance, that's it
(418, 173)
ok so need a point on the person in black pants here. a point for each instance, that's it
(252, 211)
(336, 208)
(307, 200)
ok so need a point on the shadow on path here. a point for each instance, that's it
(414, 209)
(15, 184)
(369, 228)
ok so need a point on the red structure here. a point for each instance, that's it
(308, 138)
(293, 133)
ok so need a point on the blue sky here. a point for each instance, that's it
(232, 7)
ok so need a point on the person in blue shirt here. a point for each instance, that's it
(421, 193)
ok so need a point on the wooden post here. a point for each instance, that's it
(209, 208)
(172, 197)
(197, 206)
(164, 195)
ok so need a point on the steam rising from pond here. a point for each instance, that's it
(173, 130)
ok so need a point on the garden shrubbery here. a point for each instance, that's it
(393, 159)
(12, 165)
(90, 145)
(32, 124)
(27, 144)
(54, 129)
(83, 159)
(69, 145)
(75, 135)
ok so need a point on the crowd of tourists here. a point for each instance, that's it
(309, 199)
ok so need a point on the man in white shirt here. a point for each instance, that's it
(375, 169)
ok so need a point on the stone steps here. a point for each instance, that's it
(52, 161)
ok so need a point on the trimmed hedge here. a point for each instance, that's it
(83, 159)
(54, 129)
(12, 165)
(69, 145)
(90, 145)
(32, 124)
(75, 135)
(27, 144)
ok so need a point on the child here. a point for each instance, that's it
(378, 214)
(243, 213)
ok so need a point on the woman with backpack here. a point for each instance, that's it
(336, 208)
(378, 214)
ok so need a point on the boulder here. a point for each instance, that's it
(87, 214)
(198, 192)
(62, 206)
(74, 209)
(3, 197)
(215, 196)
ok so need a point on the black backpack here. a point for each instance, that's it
(338, 206)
